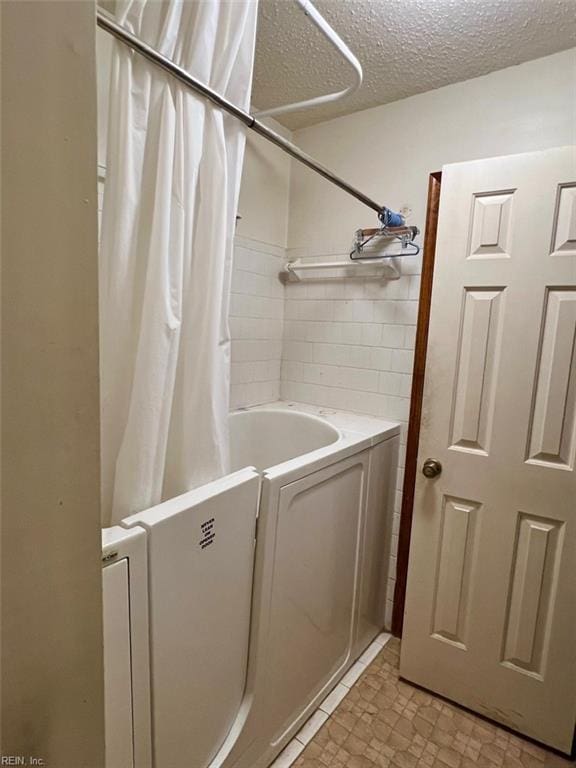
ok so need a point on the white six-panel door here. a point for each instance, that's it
(491, 602)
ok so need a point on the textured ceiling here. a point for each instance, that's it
(405, 47)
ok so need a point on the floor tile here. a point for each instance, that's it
(384, 722)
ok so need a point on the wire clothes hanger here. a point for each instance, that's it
(404, 235)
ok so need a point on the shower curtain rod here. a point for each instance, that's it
(126, 37)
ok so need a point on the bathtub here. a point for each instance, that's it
(264, 437)
(266, 585)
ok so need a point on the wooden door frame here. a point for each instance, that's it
(419, 369)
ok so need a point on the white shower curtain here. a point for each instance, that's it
(173, 173)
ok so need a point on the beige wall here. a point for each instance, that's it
(257, 299)
(389, 151)
(265, 190)
(52, 700)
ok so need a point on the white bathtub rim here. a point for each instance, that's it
(188, 499)
(268, 408)
(378, 429)
(301, 466)
(115, 538)
(368, 432)
(359, 434)
(266, 437)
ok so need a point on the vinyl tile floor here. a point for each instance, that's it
(387, 723)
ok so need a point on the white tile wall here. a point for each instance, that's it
(256, 322)
(349, 344)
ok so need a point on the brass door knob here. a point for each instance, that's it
(431, 468)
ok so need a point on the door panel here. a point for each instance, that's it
(532, 592)
(490, 616)
(200, 565)
(552, 434)
(118, 710)
(565, 222)
(313, 605)
(478, 348)
(454, 569)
